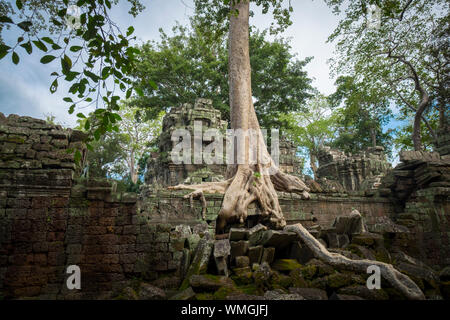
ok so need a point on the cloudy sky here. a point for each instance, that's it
(24, 88)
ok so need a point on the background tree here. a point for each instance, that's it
(119, 154)
(396, 55)
(313, 128)
(361, 113)
(194, 63)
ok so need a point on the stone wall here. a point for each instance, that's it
(420, 185)
(49, 220)
(163, 206)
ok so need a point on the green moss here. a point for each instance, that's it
(286, 265)
(383, 256)
(204, 296)
(339, 280)
(224, 292)
(298, 280)
(250, 289)
(319, 283)
(280, 280)
(242, 276)
(309, 271)
(363, 240)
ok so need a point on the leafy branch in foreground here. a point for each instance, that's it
(94, 56)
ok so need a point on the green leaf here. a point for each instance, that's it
(56, 46)
(128, 94)
(4, 49)
(40, 45)
(91, 75)
(28, 47)
(54, 86)
(47, 59)
(90, 148)
(130, 31)
(87, 125)
(71, 109)
(25, 25)
(77, 156)
(105, 72)
(68, 99)
(80, 115)
(75, 48)
(19, 4)
(71, 75)
(153, 84)
(15, 58)
(97, 134)
(139, 92)
(5, 19)
(66, 64)
(48, 40)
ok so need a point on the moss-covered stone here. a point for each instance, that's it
(309, 271)
(204, 296)
(286, 265)
(209, 282)
(298, 281)
(224, 292)
(339, 280)
(445, 290)
(242, 276)
(382, 255)
(322, 269)
(250, 289)
(280, 280)
(364, 292)
(319, 283)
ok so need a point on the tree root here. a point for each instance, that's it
(288, 183)
(397, 279)
(199, 190)
(247, 186)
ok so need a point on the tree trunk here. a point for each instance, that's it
(416, 136)
(312, 160)
(133, 171)
(373, 135)
(250, 179)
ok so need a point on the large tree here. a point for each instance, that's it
(193, 63)
(403, 54)
(257, 181)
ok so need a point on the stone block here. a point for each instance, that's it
(239, 248)
(255, 254)
(237, 234)
(268, 255)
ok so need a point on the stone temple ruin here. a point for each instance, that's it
(162, 171)
(157, 245)
(359, 172)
